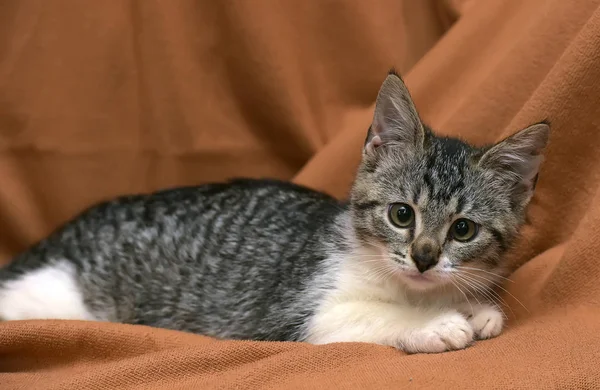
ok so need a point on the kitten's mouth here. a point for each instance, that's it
(420, 278)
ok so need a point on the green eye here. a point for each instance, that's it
(464, 230)
(401, 215)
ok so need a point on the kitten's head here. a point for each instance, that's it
(438, 209)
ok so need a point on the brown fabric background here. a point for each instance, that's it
(111, 97)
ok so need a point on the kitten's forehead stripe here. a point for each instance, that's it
(446, 159)
(451, 147)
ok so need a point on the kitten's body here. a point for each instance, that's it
(266, 260)
(186, 259)
(150, 266)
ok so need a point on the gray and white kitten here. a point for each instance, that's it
(409, 261)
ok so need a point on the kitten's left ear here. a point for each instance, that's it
(517, 158)
(396, 120)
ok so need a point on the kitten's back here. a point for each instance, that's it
(218, 259)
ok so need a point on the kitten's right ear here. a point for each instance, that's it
(396, 121)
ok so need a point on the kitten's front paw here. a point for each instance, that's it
(447, 332)
(487, 322)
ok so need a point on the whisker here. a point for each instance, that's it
(490, 294)
(376, 245)
(374, 258)
(469, 291)
(465, 295)
(381, 274)
(487, 280)
(367, 257)
(481, 289)
(477, 288)
(362, 255)
(482, 270)
(500, 287)
(485, 292)
(379, 246)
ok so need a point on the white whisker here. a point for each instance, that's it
(500, 287)
(487, 292)
(485, 271)
(465, 295)
(458, 280)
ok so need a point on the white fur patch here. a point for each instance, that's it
(48, 292)
(366, 308)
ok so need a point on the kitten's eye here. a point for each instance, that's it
(401, 215)
(464, 230)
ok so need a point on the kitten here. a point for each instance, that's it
(409, 261)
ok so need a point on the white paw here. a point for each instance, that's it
(487, 322)
(450, 331)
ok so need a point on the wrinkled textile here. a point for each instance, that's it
(113, 97)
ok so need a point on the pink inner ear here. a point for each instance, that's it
(374, 143)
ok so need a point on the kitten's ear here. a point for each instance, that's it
(396, 120)
(517, 158)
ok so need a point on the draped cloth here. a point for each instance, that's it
(104, 98)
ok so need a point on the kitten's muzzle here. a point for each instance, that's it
(425, 253)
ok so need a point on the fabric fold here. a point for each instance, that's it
(112, 98)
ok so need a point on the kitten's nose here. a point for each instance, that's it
(425, 253)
